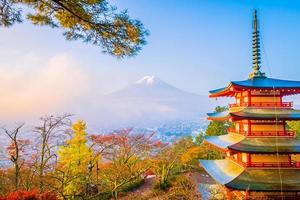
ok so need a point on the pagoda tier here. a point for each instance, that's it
(239, 143)
(258, 85)
(259, 149)
(237, 177)
(257, 113)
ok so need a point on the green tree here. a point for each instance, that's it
(92, 21)
(295, 126)
(216, 128)
(199, 138)
(168, 161)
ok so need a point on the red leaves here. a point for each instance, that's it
(23, 195)
(48, 196)
(30, 195)
(12, 148)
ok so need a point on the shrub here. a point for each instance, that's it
(132, 185)
(30, 195)
(162, 186)
(183, 188)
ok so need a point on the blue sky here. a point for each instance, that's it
(194, 45)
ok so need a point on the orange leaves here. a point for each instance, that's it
(191, 154)
(30, 195)
(19, 146)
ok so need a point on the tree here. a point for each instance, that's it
(204, 151)
(295, 126)
(74, 160)
(47, 135)
(126, 158)
(167, 162)
(216, 128)
(199, 138)
(15, 151)
(93, 21)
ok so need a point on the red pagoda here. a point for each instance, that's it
(259, 161)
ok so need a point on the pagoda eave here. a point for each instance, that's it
(284, 87)
(237, 177)
(256, 114)
(239, 143)
(224, 141)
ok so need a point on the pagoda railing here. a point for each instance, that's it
(292, 164)
(263, 104)
(233, 130)
(272, 133)
(264, 133)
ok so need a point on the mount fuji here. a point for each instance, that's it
(149, 102)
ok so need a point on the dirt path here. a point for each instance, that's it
(142, 191)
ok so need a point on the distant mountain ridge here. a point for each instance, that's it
(150, 87)
(150, 101)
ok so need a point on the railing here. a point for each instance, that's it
(272, 133)
(233, 130)
(263, 104)
(292, 164)
(264, 133)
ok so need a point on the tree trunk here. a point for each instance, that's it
(115, 194)
(17, 174)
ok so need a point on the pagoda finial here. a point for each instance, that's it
(256, 49)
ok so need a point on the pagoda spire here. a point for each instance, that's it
(256, 49)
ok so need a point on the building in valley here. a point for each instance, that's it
(259, 149)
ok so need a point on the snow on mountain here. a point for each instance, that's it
(149, 102)
(151, 87)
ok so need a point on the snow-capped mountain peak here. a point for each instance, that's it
(148, 80)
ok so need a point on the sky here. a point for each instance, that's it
(195, 45)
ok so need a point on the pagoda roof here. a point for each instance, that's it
(233, 175)
(267, 180)
(224, 141)
(223, 171)
(256, 113)
(260, 82)
(267, 145)
(242, 143)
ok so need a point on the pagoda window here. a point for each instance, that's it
(235, 156)
(228, 153)
(270, 158)
(244, 157)
(246, 127)
(237, 127)
(238, 101)
(245, 93)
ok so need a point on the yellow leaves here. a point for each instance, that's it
(93, 1)
(191, 154)
(76, 157)
(66, 19)
(80, 126)
(133, 33)
(118, 50)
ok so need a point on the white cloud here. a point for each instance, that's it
(52, 86)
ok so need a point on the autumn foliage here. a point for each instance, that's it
(30, 195)
(63, 161)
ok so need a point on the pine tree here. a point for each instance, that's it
(92, 21)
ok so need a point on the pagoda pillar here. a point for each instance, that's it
(247, 195)
(229, 193)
